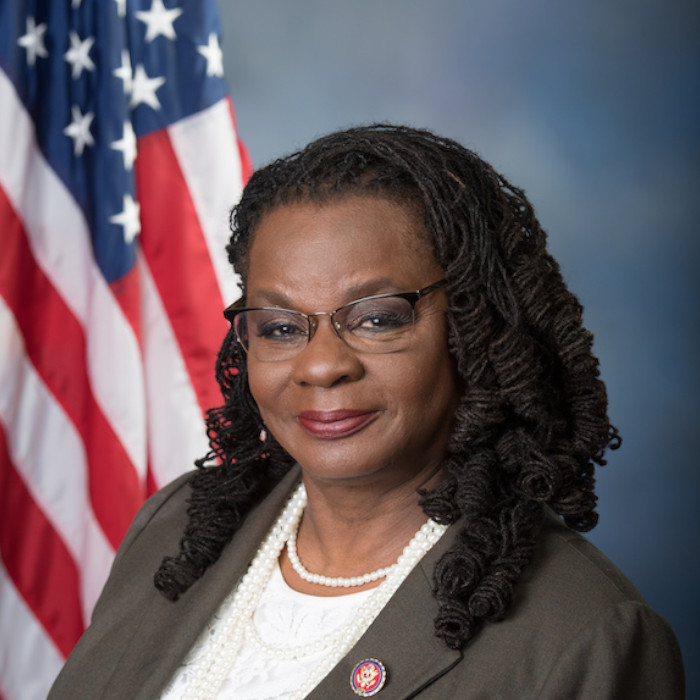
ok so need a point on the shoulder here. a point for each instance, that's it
(160, 524)
(578, 627)
(170, 503)
(157, 530)
(569, 574)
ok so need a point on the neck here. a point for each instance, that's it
(351, 529)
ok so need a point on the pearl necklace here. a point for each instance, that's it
(336, 582)
(213, 666)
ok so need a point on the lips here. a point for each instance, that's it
(330, 425)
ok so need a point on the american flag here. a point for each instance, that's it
(119, 163)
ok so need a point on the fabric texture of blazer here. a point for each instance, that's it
(577, 627)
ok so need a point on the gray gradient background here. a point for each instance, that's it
(593, 108)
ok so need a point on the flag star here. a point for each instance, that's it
(121, 7)
(215, 58)
(33, 41)
(75, 4)
(128, 218)
(124, 72)
(143, 88)
(79, 130)
(159, 21)
(78, 55)
(127, 145)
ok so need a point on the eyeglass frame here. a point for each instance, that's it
(231, 311)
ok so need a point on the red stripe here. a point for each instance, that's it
(177, 255)
(55, 343)
(37, 560)
(127, 292)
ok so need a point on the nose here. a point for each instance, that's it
(326, 360)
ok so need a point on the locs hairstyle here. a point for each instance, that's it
(532, 422)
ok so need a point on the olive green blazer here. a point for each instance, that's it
(577, 628)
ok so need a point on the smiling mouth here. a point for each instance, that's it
(331, 425)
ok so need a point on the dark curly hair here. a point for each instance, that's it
(532, 421)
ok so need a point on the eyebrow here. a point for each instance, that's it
(381, 285)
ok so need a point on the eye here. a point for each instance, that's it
(377, 321)
(276, 327)
(379, 316)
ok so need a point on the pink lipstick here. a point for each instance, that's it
(330, 425)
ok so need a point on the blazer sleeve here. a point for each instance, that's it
(629, 653)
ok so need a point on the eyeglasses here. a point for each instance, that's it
(376, 324)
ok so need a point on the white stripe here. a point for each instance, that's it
(29, 660)
(206, 148)
(38, 431)
(60, 241)
(176, 437)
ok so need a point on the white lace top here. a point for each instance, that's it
(284, 617)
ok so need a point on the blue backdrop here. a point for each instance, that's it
(592, 108)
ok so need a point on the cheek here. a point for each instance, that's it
(265, 384)
(435, 388)
(422, 386)
(429, 366)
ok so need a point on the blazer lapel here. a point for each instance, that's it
(402, 638)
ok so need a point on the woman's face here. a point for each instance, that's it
(344, 414)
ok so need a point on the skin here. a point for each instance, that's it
(361, 472)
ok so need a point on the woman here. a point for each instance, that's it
(406, 349)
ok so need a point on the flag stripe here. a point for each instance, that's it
(39, 564)
(183, 273)
(56, 344)
(60, 243)
(176, 438)
(208, 153)
(30, 660)
(28, 409)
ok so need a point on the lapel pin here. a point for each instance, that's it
(368, 677)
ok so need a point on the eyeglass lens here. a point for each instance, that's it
(370, 325)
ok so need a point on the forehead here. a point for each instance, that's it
(345, 242)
